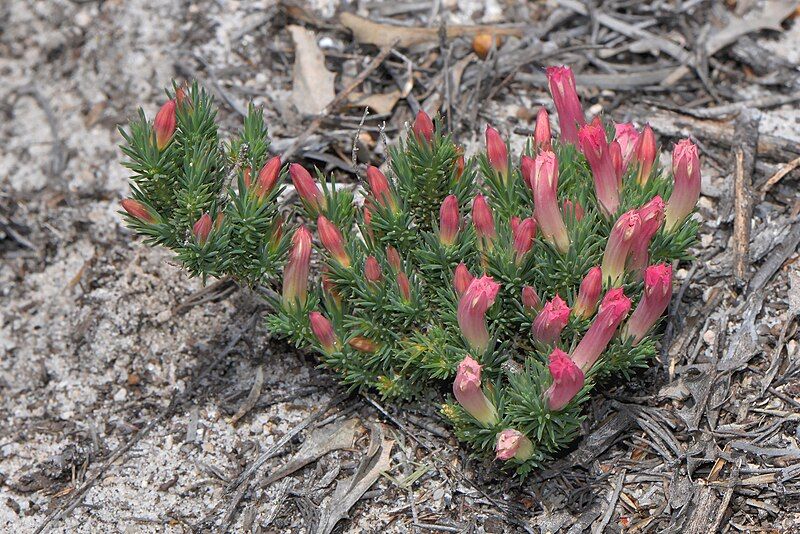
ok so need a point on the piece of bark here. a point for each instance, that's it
(744, 161)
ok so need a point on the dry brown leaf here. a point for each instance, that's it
(367, 32)
(379, 103)
(312, 83)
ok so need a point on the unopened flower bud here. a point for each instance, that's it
(570, 114)
(295, 274)
(460, 164)
(379, 186)
(645, 154)
(462, 279)
(595, 148)
(616, 160)
(393, 258)
(363, 344)
(619, 245)
(323, 331)
(513, 444)
(530, 299)
(332, 240)
(469, 394)
(523, 238)
(542, 138)
(307, 188)
(472, 308)
(572, 210)
(202, 228)
(613, 309)
(627, 137)
(686, 192)
(423, 127)
(651, 216)
(449, 221)
(137, 210)
(483, 220)
(655, 299)
(545, 201)
(496, 151)
(164, 124)
(550, 321)
(268, 177)
(588, 294)
(404, 286)
(567, 381)
(372, 270)
(527, 169)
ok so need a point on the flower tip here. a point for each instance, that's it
(423, 127)
(202, 228)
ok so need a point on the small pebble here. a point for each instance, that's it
(121, 395)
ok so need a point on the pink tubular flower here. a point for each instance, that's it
(323, 331)
(645, 155)
(332, 240)
(137, 210)
(379, 186)
(449, 221)
(616, 160)
(469, 394)
(165, 123)
(550, 321)
(268, 177)
(613, 309)
(523, 238)
(619, 245)
(372, 270)
(307, 188)
(655, 299)
(542, 138)
(627, 137)
(423, 127)
(530, 299)
(686, 171)
(545, 201)
(595, 147)
(393, 257)
(404, 286)
(651, 216)
(295, 275)
(567, 381)
(528, 169)
(588, 294)
(513, 444)
(496, 151)
(202, 228)
(462, 279)
(572, 209)
(570, 114)
(483, 220)
(472, 308)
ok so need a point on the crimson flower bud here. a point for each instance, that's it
(613, 309)
(483, 220)
(202, 228)
(550, 321)
(651, 216)
(619, 245)
(561, 81)
(372, 270)
(655, 299)
(363, 344)
(423, 127)
(164, 124)
(528, 169)
(469, 394)
(472, 308)
(323, 331)
(513, 444)
(307, 188)
(686, 172)
(496, 151)
(530, 299)
(137, 210)
(595, 148)
(541, 133)
(332, 240)
(545, 201)
(523, 237)
(627, 137)
(268, 177)
(588, 294)
(572, 209)
(449, 221)
(379, 186)
(295, 274)
(645, 154)
(462, 279)
(404, 286)
(567, 381)
(393, 258)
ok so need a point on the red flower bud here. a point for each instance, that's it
(202, 228)
(393, 258)
(295, 274)
(541, 133)
(332, 240)
(513, 444)
(565, 96)
(268, 177)
(572, 209)
(651, 216)
(613, 309)
(363, 344)
(137, 210)
(379, 186)
(655, 299)
(472, 308)
(527, 169)
(545, 201)
(423, 127)
(627, 137)
(686, 173)
(165, 124)
(404, 286)
(372, 270)
(530, 299)
(180, 95)
(550, 321)
(307, 188)
(323, 331)
(619, 245)
(588, 294)
(567, 381)
(469, 394)
(523, 238)
(595, 148)
(483, 220)
(462, 279)
(449, 221)
(645, 154)
(616, 160)
(496, 150)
